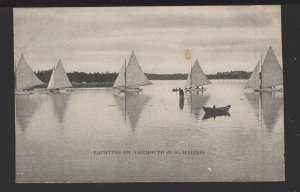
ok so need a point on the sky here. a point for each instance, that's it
(98, 39)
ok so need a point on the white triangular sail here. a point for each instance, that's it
(196, 77)
(134, 74)
(272, 74)
(254, 80)
(120, 81)
(59, 78)
(25, 77)
(131, 76)
(188, 81)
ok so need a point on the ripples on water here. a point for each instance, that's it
(56, 135)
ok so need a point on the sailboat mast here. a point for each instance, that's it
(125, 73)
(260, 73)
(191, 75)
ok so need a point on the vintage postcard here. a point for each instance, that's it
(149, 94)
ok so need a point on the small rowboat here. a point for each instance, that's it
(215, 109)
(213, 112)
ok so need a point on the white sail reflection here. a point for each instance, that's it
(25, 106)
(131, 106)
(271, 104)
(60, 104)
(254, 100)
(196, 100)
(266, 106)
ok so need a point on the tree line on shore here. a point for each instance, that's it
(82, 77)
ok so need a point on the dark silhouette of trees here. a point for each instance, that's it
(81, 77)
(230, 75)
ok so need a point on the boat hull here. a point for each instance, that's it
(194, 89)
(131, 90)
(209, 115)
(216, 110)
(268, 90)
(60, 91)
(29, 92)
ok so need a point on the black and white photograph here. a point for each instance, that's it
(149, 94)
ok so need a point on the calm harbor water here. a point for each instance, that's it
(57, 134)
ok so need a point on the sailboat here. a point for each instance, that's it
(213, 113)
(196, 78)
(131, 76)
(59, 79)
(267, 74)
(26, 80)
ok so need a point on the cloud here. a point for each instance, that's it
(146, 17)
(221, 42)
(102, 37)
(180, 21)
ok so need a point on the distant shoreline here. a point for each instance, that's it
(81, 79)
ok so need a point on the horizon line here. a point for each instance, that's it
(150, 73)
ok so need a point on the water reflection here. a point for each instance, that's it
(196, 100)
(131, 105)
(266, 106)
(26, 106)
(64, 153)
(181, 101)
(60, 103)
